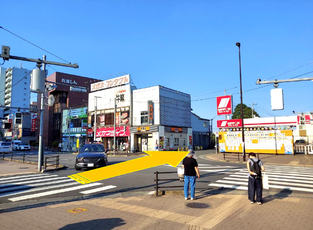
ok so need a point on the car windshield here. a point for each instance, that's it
(23, 144)
(92, 148)
(6, 144)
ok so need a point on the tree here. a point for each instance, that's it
(247, 112)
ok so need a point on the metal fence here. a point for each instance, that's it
(306, 149)
(157, 179)
(49, 161)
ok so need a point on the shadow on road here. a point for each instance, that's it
(99, 224)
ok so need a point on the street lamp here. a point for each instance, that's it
(95, 118)
(241, 106)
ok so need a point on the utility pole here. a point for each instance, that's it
(69, 130)
(38, 79)
(114, 126)
(95, 118)
(252, 108)
(42, 109)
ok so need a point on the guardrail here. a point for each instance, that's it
(55, 160)
(49, 161)
(306, 149)
(237, 156)
(157, 181)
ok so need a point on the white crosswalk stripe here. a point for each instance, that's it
(216, 169)
(280, 177)
(40, 185)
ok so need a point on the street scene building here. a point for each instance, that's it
(71, 93)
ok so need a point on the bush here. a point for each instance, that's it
(55, 144)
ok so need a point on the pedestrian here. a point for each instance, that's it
(156, 145)
(191, 170)
(255, 166)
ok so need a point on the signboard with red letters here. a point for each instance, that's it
(234, 123)
(224, 105)
(122, 131)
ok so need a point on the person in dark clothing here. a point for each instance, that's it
(190, 171)
(254, 184)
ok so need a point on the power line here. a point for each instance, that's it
(311, 62)
(34, 44)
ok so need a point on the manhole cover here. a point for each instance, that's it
(24, 168)
(197, 205)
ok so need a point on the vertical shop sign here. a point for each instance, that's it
(150, 108)
(33, 125)
(117, 118)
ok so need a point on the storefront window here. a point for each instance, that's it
(144, 117)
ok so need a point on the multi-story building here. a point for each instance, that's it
(71, 92)
(161, 119)
(111, 102)
(15, 101)
(201, 132)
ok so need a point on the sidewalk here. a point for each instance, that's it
(227, 209)
(267, 159)
(168, 212)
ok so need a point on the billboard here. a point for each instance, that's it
(258, 141)
(122, 80)
(234, 123)
(224, 105)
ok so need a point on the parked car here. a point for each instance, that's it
(301, 142)
(23, 147)
(15, 144)
(91, 156)
(5, 147)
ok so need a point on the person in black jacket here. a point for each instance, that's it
(190, 171)
(254, 183)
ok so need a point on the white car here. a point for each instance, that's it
(5, 147)
(23, 147)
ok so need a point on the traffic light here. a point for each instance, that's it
(18, 118)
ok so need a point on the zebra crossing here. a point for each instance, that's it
(25, 187)
(280, 177)
(215, 169)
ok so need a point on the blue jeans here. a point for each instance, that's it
(192, 181)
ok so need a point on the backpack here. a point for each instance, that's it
(256, 169)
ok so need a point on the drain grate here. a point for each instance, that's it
(23, 167)
(197, 205)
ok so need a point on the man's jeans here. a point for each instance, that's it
(255, 188)
(192, 181)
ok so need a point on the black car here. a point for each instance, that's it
(91, 156)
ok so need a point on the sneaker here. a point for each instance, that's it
(251, 202)
(192, 198)
(259, 203)
(186, 198)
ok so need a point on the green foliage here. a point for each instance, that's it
(247, 112)
(55, 144)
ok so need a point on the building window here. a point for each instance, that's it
(144, 117)
(205, 124)
(176, 141)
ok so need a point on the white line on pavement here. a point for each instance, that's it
(53, 192)
(98, 189)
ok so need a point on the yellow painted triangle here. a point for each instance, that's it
(154, 159)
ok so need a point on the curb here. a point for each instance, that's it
(268, 163)
(35, 163)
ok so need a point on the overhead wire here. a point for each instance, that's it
(33, 44)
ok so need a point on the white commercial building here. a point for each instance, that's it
(161, 119)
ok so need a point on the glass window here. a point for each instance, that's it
(176, 141)
(205, 124)
(144, 117)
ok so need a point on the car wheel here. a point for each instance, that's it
(77, 168)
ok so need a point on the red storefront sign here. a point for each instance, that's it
(229, 123)
(224, 105)
(34, 118)
(109, 132)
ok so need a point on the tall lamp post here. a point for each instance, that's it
(95, 118)
(241, 107)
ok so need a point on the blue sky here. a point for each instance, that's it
(188, 46)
